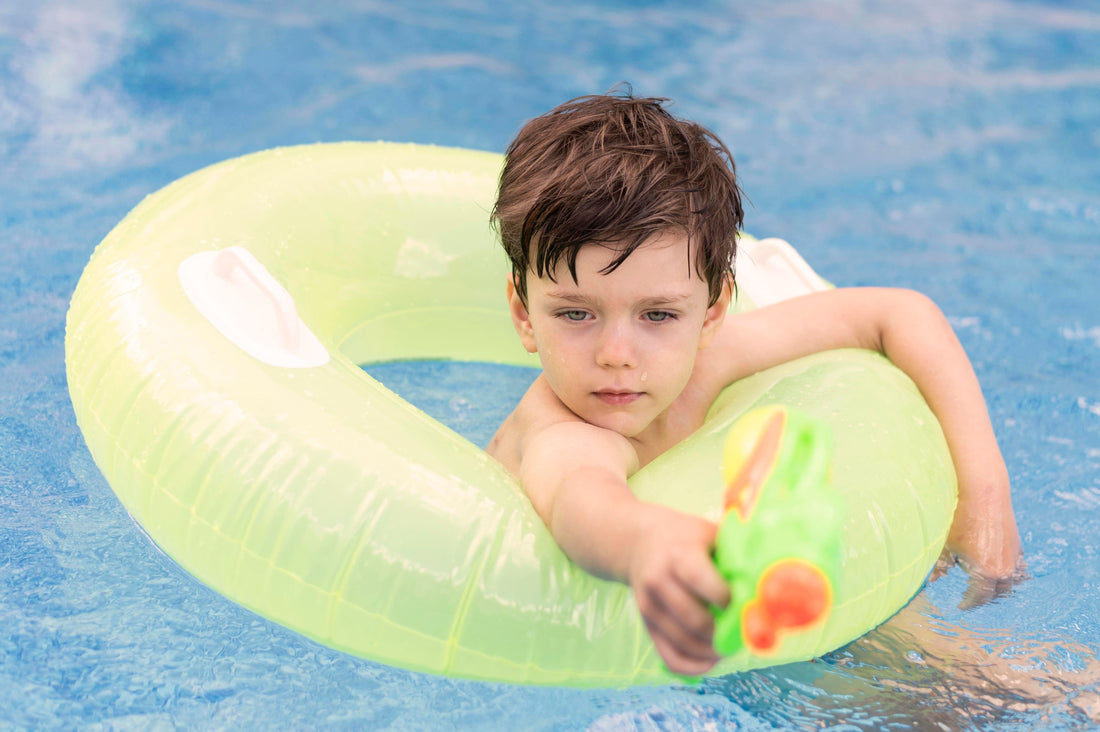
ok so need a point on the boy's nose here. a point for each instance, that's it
(616, 349)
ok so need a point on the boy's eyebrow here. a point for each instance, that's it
(573, 297)
(666, 299)
(653, 301)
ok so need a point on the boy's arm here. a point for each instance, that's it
(575, 475)
(912, 332)
(984, 533)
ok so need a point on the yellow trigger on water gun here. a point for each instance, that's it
(778, 545)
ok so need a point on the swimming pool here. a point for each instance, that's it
(950, 149)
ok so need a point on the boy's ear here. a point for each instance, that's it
(716, 314)
(521, 319)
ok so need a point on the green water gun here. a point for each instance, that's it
(778, 545)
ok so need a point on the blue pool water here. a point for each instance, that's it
(949, 147)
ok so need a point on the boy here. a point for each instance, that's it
(621, 223)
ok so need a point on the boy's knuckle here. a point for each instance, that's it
(645, 599)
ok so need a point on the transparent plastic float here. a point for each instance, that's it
(214, 348)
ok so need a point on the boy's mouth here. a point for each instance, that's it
(617, 398)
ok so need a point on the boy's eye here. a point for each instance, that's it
(658, 316)
(574, 315)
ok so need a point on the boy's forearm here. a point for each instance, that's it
(920, 341)
(596, 520)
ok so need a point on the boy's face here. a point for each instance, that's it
(619, 348)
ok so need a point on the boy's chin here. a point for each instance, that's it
(627, 425)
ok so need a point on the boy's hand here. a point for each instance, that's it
(984, 537)
(675, 582)
(985, 541)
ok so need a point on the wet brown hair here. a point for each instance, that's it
(616, 170)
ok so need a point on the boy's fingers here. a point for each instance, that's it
(701, 578)
(678, 617)
(676, 605)
(678, 660)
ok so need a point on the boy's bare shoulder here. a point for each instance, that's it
(540, 416)
(538, 409)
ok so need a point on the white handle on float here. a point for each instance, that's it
(286, 314)
(243, 309)
(770, 270)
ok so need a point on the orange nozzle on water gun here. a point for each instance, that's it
(779, 543)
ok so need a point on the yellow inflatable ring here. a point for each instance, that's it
(213, 353)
